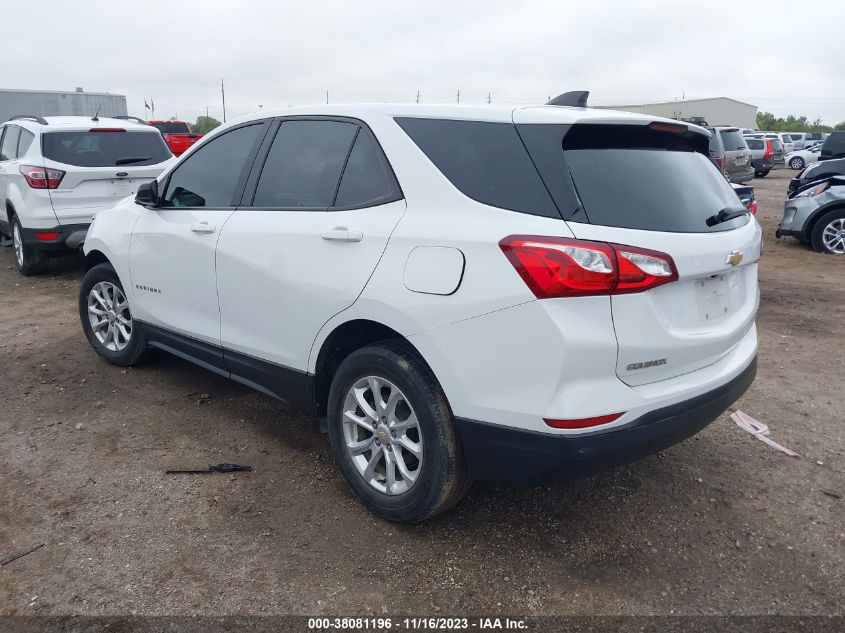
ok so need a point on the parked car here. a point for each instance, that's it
(766, 155)
(57, 173)
(737, 155)
(803, 140)
(834, 146)
(177, 134)
(427, 281)
(784, 139)
(816, 172)
(799, 159)
(717, 151)
(815, 214)
(746, 196)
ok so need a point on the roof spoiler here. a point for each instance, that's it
(124, 117)
(574, 98)
(31, 117)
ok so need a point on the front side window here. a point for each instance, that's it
(304, 164)
(209, 176)
(9, 145)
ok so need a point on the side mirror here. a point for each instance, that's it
(147, 194)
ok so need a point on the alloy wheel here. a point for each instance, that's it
(17, 241)
(109, 316)
(382, 435)
(833, 236)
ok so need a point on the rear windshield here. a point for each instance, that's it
(755, 143)
(733, 140)
(172, 127)
(835, 143)
(105, 149)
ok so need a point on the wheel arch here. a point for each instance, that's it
(95, 257)
(344, 339)
(810, 224)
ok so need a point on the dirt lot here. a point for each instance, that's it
(719, 524)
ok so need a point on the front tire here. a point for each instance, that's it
(828, 234)
(107, 320)
(392, 434)
(797, 163)
(30, 261)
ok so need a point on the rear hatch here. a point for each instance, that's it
(737, 154)
(654, 188)
(100, 165)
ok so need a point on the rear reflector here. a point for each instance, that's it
(41, 178)
(583, 423)
(47, 237)
(564, 267)
(106, 129)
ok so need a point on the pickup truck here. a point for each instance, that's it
(177, 135)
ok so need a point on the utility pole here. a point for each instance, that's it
(418, 96)
(223, 94)
(206, 112)
(488, 98)
(459, 95)
(327, 97)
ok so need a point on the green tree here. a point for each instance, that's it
(205, 124)
(769, 122)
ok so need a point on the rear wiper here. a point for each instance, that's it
(726, 214)
(131, 159)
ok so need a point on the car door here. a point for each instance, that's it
(171, 256)
(315, 221)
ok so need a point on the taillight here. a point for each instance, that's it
(770, 150)
(41, 178)
(752, 206)
(563, 267)
(720, 163)
(107, 130)
(48, 236)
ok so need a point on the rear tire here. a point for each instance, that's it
(107, 320)
(797, 163)
(828, 235)
(763, 174)
(30, 261)
(370, 439)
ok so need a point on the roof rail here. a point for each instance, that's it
(33, 117)
(574, 98)
(125, 117)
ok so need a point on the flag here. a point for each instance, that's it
(146, 105)
(152, 104)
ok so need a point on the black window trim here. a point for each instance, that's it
(20, 136)
(245, 172)
(261, 160)
(6, 128)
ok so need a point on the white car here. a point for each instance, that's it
(799, 159)
(428, 282)
(56, 173)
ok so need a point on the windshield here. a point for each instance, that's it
(105, 149)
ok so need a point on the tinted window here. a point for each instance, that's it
(755, 143)
(367, 179)
(717, 149)
(25, 141)
(304, 164)
(733, 140)
(209, 176)
(9, 145)
(485, 161)
(104, 149)
(834, 145)
(172, 127)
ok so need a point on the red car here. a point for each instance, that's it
(177, 135)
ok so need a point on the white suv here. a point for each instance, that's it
(56, 173)
(457, 292)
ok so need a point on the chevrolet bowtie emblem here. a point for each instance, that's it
(734, 258)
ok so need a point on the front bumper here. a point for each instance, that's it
(70, 237)
(508, 455)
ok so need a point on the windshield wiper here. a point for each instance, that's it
(726, 214)
(131, 159)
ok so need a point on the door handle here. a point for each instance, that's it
(342, 234)
(203, 227)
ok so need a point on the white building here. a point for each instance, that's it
(715, 111)
(55, 103)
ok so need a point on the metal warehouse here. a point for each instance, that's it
(716, 110)
(56, 102)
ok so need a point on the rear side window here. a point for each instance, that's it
(303, 166)
(210, 176)
(25, 141)
(367, 179)
(733, 140)
(104, 149)
(485, 161)
(9, 145)
(755, 143)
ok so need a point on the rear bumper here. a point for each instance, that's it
(508, 455)
(70, 237)
(743, 176)
(762, 164)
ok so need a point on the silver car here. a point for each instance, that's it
(815, 214)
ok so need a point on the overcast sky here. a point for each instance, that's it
(784, 57)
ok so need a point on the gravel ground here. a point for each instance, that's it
(720, 524)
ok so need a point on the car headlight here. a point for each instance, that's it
(816, 191)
